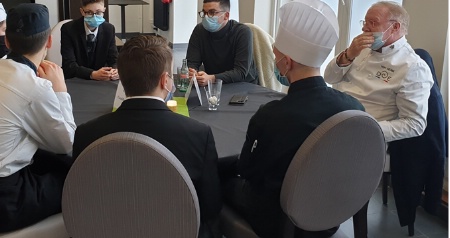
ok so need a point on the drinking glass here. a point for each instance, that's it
(213, 94)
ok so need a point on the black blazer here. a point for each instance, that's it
(190, 141)
(418, 163)
(74, 53)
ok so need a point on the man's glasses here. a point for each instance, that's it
(371, 23)
(91, 14)
(209, 13)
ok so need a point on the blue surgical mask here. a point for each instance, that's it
(170, 92)
(94, 21)
(378, 39)
(211, 24)
(281, 78)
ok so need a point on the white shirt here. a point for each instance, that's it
(32, 116)
(88, 31)
(393, 86)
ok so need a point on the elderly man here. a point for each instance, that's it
(223, 46)
(308, 31)
(36, 122)
(382, 71)
(3, 48)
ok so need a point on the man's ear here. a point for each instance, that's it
(227, 16)
(397, 26)
(163, 81)
(288, 62)
(82, 11)
(49, 42)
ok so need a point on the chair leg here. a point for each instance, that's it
(360, 222)
(411, 229)
(386, 178)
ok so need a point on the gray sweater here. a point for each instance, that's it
(227, 54)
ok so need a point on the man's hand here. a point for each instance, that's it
(114, 74)
(53, 73)
(360, 43)
(192, 72)
(203, 77)
(103, 74)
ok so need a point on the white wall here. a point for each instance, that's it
(183, 19)
(52, 6)
(428, 28)
(138, 18)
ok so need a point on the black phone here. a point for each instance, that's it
(239, 99)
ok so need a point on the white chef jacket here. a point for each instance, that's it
(393, 86)
(32, 116)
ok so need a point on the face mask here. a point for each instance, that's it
(281, 78)
(94, 21)
(170, 92)
(378, 41)
(211, 24)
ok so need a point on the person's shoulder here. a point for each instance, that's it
(345, 99)
(72, 23)
(240, 26)
(269, 109)
(107, 25)
(189, 122)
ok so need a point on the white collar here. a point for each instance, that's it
(149, 97)
(394, 46)
(88, 31)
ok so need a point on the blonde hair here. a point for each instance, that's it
(397, 13)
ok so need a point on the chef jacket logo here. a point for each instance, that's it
(384, 74)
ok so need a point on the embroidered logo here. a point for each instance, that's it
(384, 74)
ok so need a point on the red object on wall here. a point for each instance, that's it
(166, 1)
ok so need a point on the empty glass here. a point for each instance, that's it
(213, 94)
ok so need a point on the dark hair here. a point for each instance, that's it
(141, 62)
(87, 2)
(224, 4)
(27, 44)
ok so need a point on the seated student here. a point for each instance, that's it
(144, 64)
(3, 49)
(88, 45)
(223, 46)
(36, 122)
(277, 129)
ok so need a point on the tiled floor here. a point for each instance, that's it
(382, 220)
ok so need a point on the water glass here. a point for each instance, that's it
(213, 94)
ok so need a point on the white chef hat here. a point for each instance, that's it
(2, 13)
(308, 31)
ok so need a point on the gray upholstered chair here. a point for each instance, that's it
(54, 53)
(330, 179)
(264, 58)
(51, 227)
(129, 185)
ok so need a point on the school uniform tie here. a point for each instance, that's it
(90, 45)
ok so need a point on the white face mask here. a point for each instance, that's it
(378, 41)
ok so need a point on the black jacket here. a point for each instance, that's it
(74, 52)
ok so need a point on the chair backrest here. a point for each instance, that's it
(335, 171)
(129, 185)
(264, 58)
(54, 53)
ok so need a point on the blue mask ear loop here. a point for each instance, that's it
(281, 78)
(170, 92)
